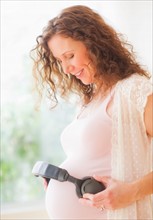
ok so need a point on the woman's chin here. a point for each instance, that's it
(86, 82)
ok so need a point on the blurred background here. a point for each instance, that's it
(28, 135)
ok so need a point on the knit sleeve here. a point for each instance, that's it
(141, 88)
(138, 88)
(130, 143)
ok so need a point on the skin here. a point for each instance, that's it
(72, 55)
(74, 60)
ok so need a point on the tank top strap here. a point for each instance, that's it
(109, 97)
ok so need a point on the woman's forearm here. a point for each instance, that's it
(143, 186)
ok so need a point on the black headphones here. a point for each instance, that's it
(85, 185)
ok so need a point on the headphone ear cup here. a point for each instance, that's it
(90, 185)
(85, 184)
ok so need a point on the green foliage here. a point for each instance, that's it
(20, 148)
(27, 136)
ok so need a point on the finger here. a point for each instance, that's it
(94, 197)
(91, 203)
(45, 183)
(86, 202)
(88, 196)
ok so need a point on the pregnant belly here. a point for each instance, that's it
(62, 201)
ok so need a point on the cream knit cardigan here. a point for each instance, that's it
(131, 147)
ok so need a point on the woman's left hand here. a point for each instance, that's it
(117, 195)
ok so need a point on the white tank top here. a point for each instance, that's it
(87, 144)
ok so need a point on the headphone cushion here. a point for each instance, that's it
(90, 185)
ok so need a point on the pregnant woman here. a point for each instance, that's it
(110, 137)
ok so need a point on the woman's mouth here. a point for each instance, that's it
(79, 73)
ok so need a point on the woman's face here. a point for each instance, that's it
(73, 57)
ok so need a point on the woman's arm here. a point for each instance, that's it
(143, 186)
(120, 194)
(148, 116)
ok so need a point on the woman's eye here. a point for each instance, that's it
(70, 56)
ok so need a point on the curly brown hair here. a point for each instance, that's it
(112, 56)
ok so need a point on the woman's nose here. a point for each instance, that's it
(67, 68)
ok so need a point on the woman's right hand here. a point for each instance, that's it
(45, 183)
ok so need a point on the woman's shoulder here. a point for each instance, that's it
(135, 83)
(136, 89)
(135, 80)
